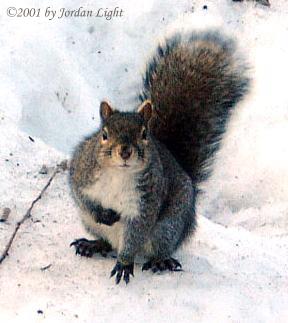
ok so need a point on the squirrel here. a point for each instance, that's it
(136, 178)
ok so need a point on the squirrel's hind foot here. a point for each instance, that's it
(157, 265)
(87, 248)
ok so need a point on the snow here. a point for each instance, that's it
(54, 74)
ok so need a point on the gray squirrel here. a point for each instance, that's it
(137, 177)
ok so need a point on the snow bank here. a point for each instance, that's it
(54, 74)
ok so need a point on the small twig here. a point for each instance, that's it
(45, 267)
(27, 215)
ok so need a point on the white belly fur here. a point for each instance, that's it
(115, 189)
(113, 234)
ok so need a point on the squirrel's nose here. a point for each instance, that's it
(125, 152)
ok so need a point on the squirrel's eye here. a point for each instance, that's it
(104, 135)
(144, 134)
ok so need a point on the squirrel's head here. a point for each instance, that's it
(124, 137)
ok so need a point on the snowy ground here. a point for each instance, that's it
(53, 75)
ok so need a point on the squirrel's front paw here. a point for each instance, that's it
(122, 270)
(109, 217)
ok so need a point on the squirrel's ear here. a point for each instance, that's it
(105, 110)
(145, 110)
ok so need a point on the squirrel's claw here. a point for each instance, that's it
(122, 270)
(163, 264)
(87, 248)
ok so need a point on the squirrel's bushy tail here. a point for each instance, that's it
(193, 84)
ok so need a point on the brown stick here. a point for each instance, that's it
(27, 215)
